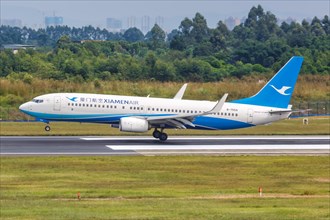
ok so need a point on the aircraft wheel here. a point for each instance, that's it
(47, 128)
(163, 137)
(156, 134)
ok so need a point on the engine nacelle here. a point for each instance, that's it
(132, 124)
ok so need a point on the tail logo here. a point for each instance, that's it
(282, 90)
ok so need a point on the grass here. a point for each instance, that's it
(308, 88)
(202, 187)
(316, 126)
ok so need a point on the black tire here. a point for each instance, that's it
(156, 134)
(47, 128)
(163, 137)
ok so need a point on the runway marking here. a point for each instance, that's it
(207, 138)
(68, 153)
(219, 147)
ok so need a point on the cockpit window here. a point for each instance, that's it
(38, 100)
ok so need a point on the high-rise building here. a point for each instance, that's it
(160, 21)
(53, 21)
(11, 22)
(232, 22)
(131, 22)
(114, 25)
(145, 24)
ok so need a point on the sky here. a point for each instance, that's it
(82, 13)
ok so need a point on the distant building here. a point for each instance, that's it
(232, 22)
(16, 47)
(114, 25)
(131, 22)
(159, 20)
(288, 20)
(145, 24)
(53, 21)
(11, 22)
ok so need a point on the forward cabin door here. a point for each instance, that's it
(250, 116)
(57, 103)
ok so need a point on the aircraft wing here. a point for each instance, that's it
(180, 93)
(180, 120)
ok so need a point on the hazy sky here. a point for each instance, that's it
(81, 13)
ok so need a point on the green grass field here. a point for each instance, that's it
(189, 187)
(316, 126)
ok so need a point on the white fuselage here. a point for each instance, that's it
(97, 108)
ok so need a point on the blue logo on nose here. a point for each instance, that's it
(73, 99)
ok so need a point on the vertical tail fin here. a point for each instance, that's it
(277, 92)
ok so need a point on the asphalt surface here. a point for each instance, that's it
(129, 145)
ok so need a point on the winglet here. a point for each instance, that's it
(217, 108)
(180, 93)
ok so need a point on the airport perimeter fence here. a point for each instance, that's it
(317, 108)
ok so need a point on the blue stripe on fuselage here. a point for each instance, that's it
(212, 123)
(201, 122)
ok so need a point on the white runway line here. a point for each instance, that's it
(219, 147)
(210, 138)
(67, 153)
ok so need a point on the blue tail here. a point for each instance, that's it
(277, 92)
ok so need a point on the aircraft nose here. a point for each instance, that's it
(24, 107)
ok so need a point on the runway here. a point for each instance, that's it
(187, 145)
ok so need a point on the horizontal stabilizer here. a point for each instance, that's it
(289, 110)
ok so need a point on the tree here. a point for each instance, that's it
(200, 31)
(186, 27)
(156, 37)
(219, 36)
(133, 35)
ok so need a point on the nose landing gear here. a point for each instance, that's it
(47, 128)
(160, 135)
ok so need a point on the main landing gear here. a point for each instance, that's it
(160, 135)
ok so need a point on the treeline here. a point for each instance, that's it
(193, 52)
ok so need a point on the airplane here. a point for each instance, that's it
(140, 114)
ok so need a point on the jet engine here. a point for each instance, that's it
(132, 124)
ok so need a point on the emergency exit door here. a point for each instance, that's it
(57, 103)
